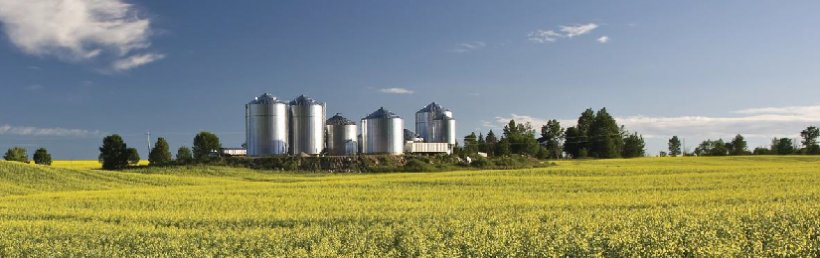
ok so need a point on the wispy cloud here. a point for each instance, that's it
(35, 131)
(396, 91)
(603, 39)
(76, 30)
(136, 60)
(469, 47)
(34, 87)
(564, 31)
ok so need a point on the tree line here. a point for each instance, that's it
(116, 155)
(738, 146)
(20, 154)
(596, 135)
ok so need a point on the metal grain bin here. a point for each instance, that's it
(266, 126)
(382, 133)
(424, 121)
(307, 123)
(341, 136)
(445, 128)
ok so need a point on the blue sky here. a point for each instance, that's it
(73, 71)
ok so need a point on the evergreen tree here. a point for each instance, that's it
(204, 144)
(470, 143)
(18, 154)
(482, 144)
(738, 146)
(571, 145)
(113, 153)
(133, 156)
(810, 135)
(492, 143)
(42, 157)
(634, 146)
(160, 154)
(674, 146)
(552, 136)
(521, 138)
(184, 155)
(605, 136)
(503, 147)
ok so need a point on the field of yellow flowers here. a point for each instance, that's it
(730, 206)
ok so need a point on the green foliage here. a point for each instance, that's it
(470, 144)
(552, 137)
(674, 146)
(782, 146)
(712, 148)
(521, 138)
(605, 137)
(160, 154)
(810, 135)
(647, 207)
(503, 148)
(18, 154)
(491, 143)
(114, 153)
(184, 155)
(42, 157)
(634, 146)
(572, 144)
(738, 146)
(133, 156)
(762, 151)
(205, 143)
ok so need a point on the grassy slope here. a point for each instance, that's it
(648, 207)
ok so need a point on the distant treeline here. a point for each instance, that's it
(597, 135)
(737, 146)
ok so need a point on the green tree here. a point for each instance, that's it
(42, 157)
(18, 154)
(133, 156)
(810, 135)
(674, 146)
(204, 144)
(712, 148)
(482, 144)
(605, 136)
(782, 146)
(761, 151)
(552, 136)
(113, 153)
(471, 143)
(571, 145)
(521, 138)
(738, 146)
(160, 154)
(504, 148)
(184, 155)
(492, 143)
(634, 146)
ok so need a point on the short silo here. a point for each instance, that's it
(341, 136)
(382, 133)
(266, 126)
(307, 118)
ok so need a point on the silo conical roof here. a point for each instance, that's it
(338, 119)
(304, 100)
(382, 113)
(266, 98)
(432, 107)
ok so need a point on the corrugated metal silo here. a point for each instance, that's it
(424, 122)
(382, 132)
(266, 126)
(307, 123)
(341, 136)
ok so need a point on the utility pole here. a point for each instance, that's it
(148, 140)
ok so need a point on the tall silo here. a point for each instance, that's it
(445, 128)
(341, 136)
(307, 123)
(424, 122)
(382, 132)
(266, 126)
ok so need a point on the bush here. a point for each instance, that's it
(18, 154)
(42, 157)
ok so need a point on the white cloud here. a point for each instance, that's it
(75, 30)
(603, 39)
(544, 36)
(565, 31)
(469, 47)
(396, 91)
(536, 122)
(135, 61)
(34, 131)
(578, 30)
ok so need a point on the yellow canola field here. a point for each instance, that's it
(714, 207)
(84, 164)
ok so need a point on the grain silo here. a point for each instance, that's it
(341, 136)
(266, 126)
(424, 121)
(436, 124)
(382, 133)
(307, 123)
